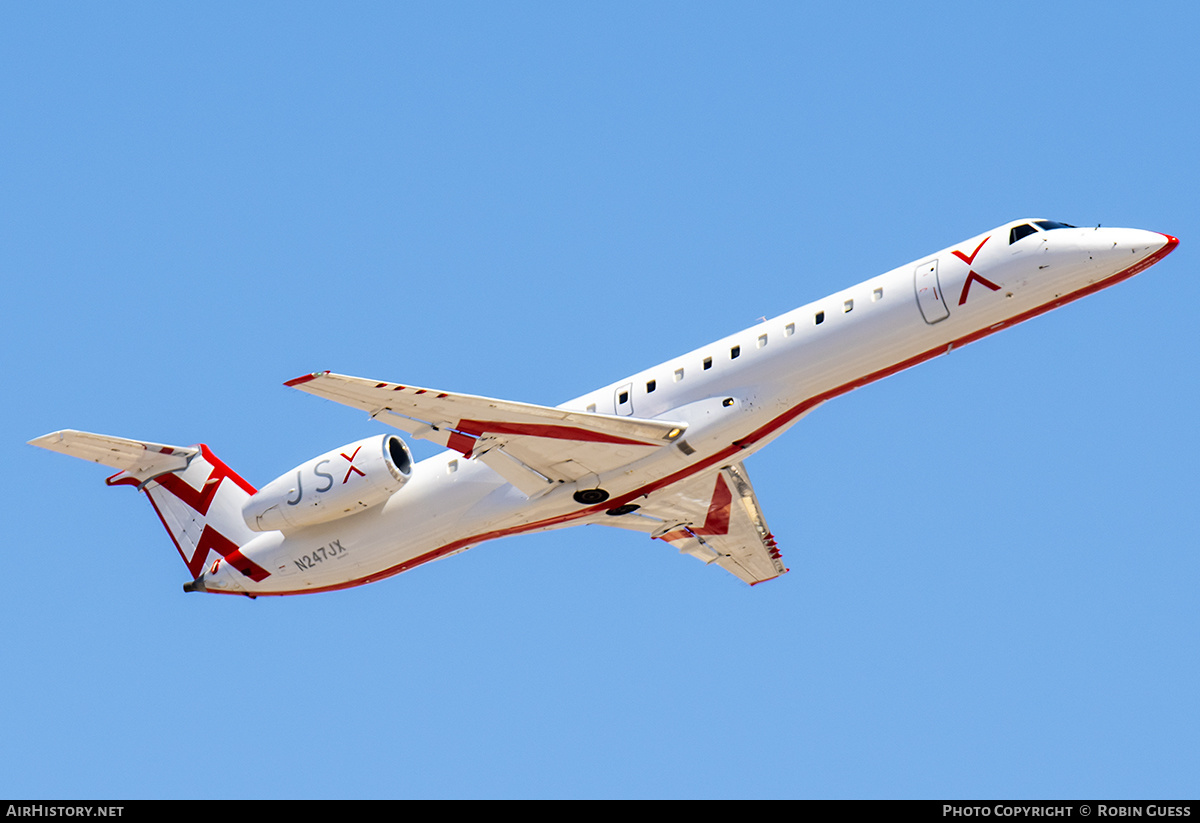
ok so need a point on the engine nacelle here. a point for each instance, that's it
(341, 482)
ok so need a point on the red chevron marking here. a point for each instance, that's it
(213, 540)
(717, 521)
(971, 277)
(198, 500)
(353, 468)
(461, 443)
(201, 499)
(210, 538)
(971, 259)
(246, 566)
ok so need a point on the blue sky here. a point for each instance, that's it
(993, 555)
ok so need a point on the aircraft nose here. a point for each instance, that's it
(1140, 243)
(1112, 250)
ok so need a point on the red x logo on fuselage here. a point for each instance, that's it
(972, 277)
(353, 468)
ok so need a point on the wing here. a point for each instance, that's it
(533, 447)
(715, 517)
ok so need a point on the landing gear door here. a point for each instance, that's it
(929, 293)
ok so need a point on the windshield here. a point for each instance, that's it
(1017, 232)
(1025, 229)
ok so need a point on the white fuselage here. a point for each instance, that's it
(735, 395)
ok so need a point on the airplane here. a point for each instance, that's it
(659, 452)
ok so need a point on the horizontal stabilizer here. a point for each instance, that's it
(197, 497)
(136, 458)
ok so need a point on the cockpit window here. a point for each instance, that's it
(1023, 230)
(1047, 225)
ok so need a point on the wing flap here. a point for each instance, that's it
(527, 479)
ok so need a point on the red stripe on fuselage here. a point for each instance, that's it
(759, 434)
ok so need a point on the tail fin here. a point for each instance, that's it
(198, 498)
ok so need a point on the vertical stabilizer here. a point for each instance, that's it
(197, 497)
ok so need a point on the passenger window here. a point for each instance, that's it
(819, 318)
(623, 398)
(707, 363)
(762, 340)
(789, 329)
(678, 375)
(876, 295)
(735, 352)
(848, 306)
(651, 385)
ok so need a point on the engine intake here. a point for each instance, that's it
(338, 483)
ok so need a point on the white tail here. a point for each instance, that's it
(198, 498)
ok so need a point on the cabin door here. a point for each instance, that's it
(929, 293)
